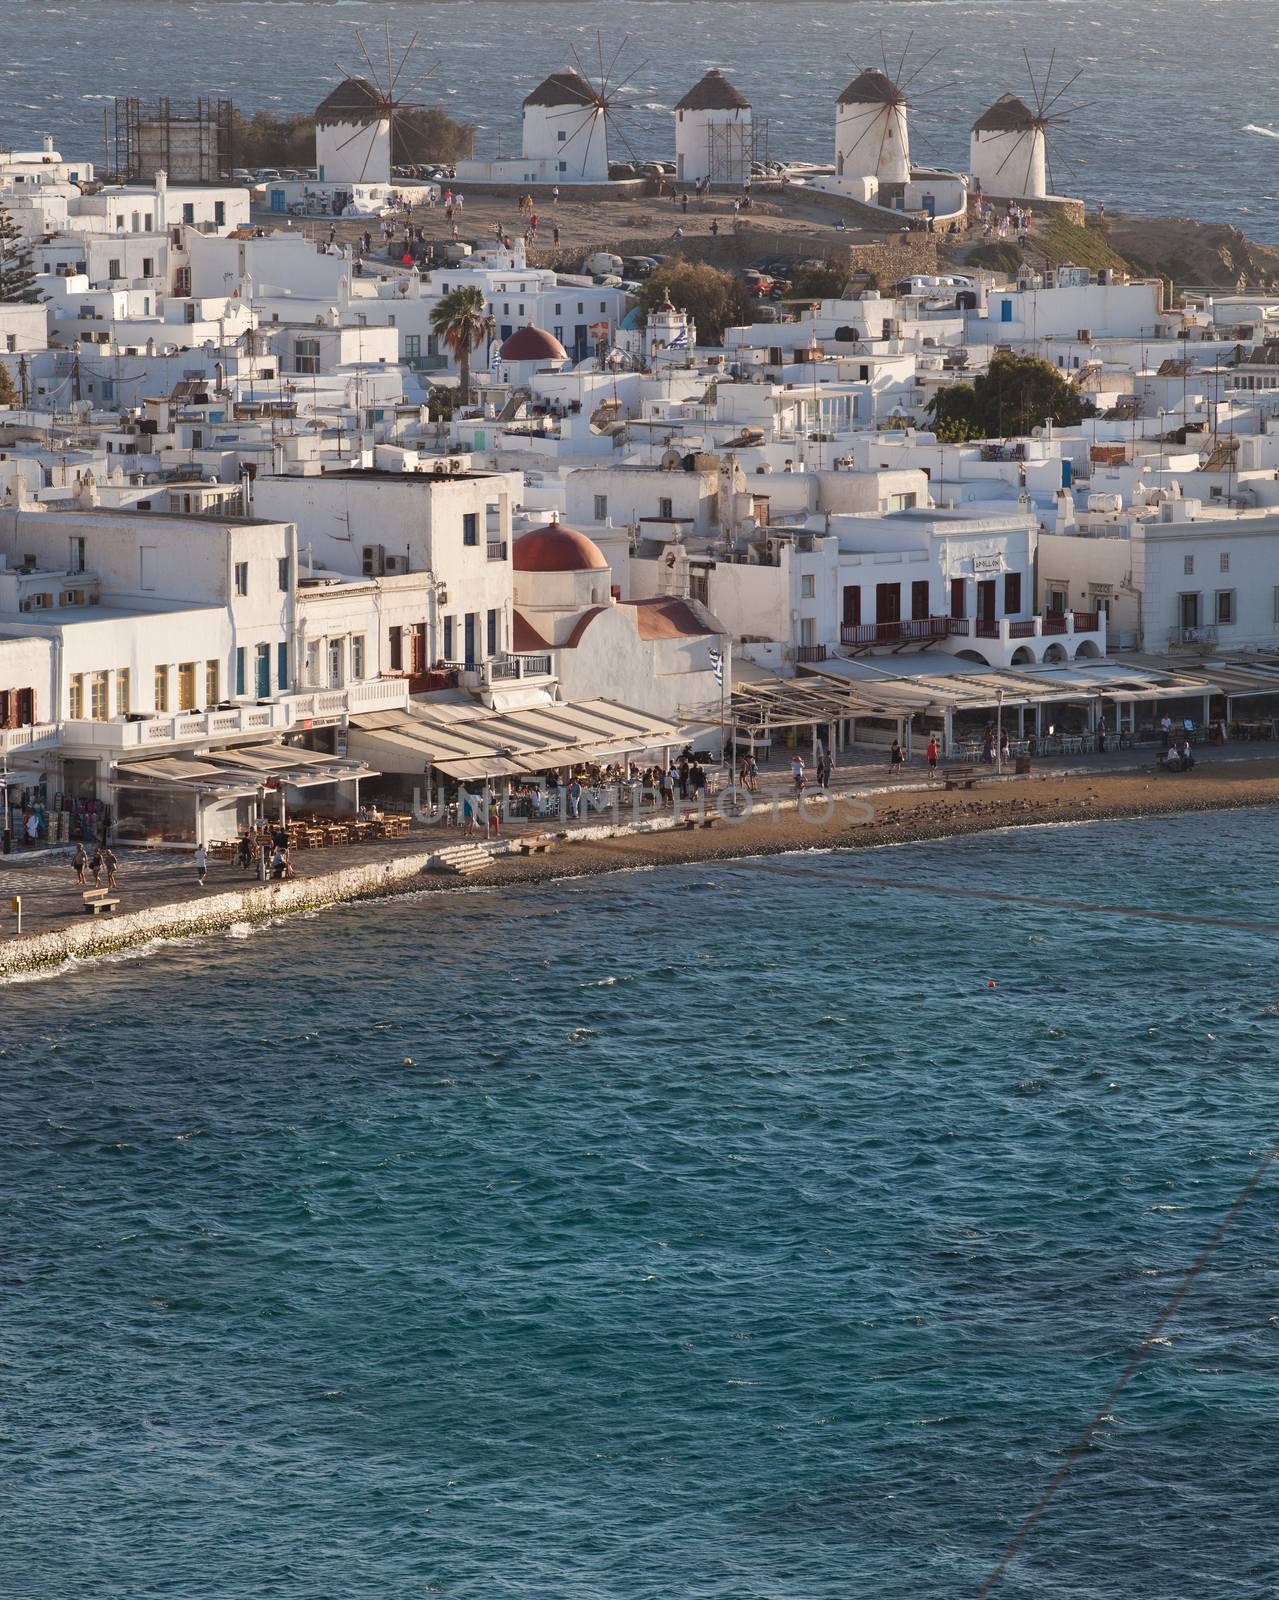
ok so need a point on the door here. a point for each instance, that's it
(919, 599)
(888, 608)
(277, 199)
(580, 346)
(1005, 311)
(264, 671)
(468, 640)
(958, 597)
(852, 605)
(335, 663)
(986, 600)
(1189, 604)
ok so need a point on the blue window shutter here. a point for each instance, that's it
(239, 670)
(282, 665)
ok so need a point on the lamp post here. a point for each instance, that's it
(999, 730)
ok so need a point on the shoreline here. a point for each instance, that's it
(908, 816)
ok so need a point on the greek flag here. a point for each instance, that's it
(495, 361)
(717, 666)
(680, 341)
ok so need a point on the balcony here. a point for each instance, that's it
(496, 549)
(1203, 635)
(506, 669)
(35, 736)
(913, 630)
(810, 652)
(1082, 633)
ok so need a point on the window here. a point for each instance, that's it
(186, 685)
(99, 704)
(491, 634)
(282, 666)
(148, 266)
(75, 708)
(601, 508)
(306, 356)
(76, 560)
(1225, 561)
(665, 507)
(282, 574)
(448, 638)
(562, 135)
(397, 650)
(212, 682)
(1012, 593)
(1188, 565)
(357, 656)
(470, 527)
(1225, 608)
(239, 670)
(808, 587)
(162, 688)
(122, 692)
(219, 213)
(412, 346)
(113, 267)
(188, 211)
(242, 577)
(901, 502)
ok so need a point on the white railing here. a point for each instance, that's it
(36, 733)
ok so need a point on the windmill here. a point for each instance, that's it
(359, 131)
(872, 137)
(569, 117)
(1009, 151)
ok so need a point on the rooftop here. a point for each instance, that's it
(353, 100)
(1009, 114)
(565, 88)
(713, 92)
(872, 87)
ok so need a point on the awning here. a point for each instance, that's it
(281, 764)
(184, 772)
(474, 742)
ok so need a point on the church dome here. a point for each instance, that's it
(556, 548)
(532, 344)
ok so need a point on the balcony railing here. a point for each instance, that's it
(910, 630)
(1054, 622)
(1022, 628)
(810, 652)
(987, 628)
(497, 549)
(1204, 633)
(29, 737)
(512, 668)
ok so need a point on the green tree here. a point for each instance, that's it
(17, 268)
(715, 300)
(423, 134)
(460, 322)
(1014, 395)
(824, 280)
(8, 394)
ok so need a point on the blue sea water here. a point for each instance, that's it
(1177, 105)
(711, 1232)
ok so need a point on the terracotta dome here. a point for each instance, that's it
(557, 548)
(533, 344)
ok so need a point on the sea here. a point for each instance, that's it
(1168, 106)
(757, 1230)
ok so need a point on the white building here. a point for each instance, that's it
(714, 133)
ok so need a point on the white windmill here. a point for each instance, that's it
(568, 119)
(358, 136)
(1008, 148)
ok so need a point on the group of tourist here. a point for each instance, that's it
(102, 860)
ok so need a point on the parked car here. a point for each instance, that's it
(758, 283)
(640, 266)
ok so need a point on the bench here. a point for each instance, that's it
(963, 777)
(96, 900)
(696, 822)
(533, 847)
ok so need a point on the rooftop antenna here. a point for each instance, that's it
(387, 93)
(602, 109)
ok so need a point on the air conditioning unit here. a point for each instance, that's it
(375, 562)
(396, 564)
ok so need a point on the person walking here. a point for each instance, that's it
(110, 862)
(797, 773)
(1101, 736)
(95, 867)
(932, 757)
(555, 195)
(247, 852)
(201, 864)
(575, 798)
(555, 233)
(79, 861)
(896, 760)
(752, 775)
(1004, 751)
(988, 746)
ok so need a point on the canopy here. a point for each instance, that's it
(468, 742)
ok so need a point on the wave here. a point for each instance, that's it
(1269, 133)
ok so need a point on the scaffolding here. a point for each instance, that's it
(189, 142)
(734, 148)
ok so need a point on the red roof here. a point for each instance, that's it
(533, 344)
(666, 617)
(557, 548)
(525, 639)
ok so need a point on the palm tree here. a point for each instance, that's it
(460, 321)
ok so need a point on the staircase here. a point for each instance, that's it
(460, 860)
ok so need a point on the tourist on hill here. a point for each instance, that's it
(79, 861)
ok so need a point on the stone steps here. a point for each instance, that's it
(461, 860)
